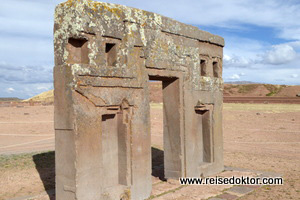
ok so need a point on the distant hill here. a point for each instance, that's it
(242, 89)
(241, 82)
(47, 97)
(261, 90)
(10, 99)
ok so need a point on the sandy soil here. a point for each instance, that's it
(26, 129)
(266, 140)
(263, 137)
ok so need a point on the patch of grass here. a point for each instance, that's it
(28, 160)
(271, 94)
(274, 89)
(246, 88)
(233, 86)
(43, 162)
(18, 161)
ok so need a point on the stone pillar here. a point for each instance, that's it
(105, 54)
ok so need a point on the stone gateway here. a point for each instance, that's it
(105, 55)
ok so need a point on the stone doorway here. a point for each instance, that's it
(171, 126)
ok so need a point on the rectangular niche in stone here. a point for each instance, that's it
(203, 131)
(111, 51)
(203, 67)
(77, 51)
(114, 149)
(216, 69)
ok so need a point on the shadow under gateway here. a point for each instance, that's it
(45, 165)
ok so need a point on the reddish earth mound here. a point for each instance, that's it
(289, 91)
(260, 90)
(255, 90)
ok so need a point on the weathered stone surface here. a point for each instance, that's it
(239, 190)
(105, 55)
(227, 196)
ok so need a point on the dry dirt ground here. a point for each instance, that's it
(264, 137)
(26, 128)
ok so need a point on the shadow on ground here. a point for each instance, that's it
(45, 165)
(158, 163)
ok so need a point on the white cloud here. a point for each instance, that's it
(290, 33)
(242, 52)
(294, 76)
(245, 53)
(25, 74)
(10, 90)
(280, 54)
(235, 77)
(23, 91)
(264, 75)
(236, 61)
(42, 88)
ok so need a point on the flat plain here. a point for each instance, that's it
(258, 137)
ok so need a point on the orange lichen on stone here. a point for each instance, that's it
(70, 3)
(116, 11)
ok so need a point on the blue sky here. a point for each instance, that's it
(262, 39)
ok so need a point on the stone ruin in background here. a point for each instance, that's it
(105, 55)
